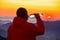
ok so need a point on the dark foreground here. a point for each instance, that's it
(1, 38)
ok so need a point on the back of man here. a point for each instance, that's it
(20, 29)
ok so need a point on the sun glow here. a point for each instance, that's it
(33, 6)
(49, 17)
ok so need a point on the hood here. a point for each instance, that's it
(18, 21)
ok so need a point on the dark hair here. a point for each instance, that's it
(21, 12)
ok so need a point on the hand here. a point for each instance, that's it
(37, 15)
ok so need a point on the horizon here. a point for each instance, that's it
(12, 17)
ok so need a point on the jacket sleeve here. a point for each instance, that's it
(39, 29)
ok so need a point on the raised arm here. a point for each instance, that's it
(40, 25)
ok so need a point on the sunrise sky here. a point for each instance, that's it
(47, 7)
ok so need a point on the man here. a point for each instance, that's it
(20, 29)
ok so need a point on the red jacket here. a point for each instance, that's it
(20, 29)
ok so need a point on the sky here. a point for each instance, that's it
(49, 8)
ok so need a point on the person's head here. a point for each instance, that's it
(22, 12)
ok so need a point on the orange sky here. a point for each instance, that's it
(47, 7)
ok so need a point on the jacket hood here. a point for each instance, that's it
(18, 21)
